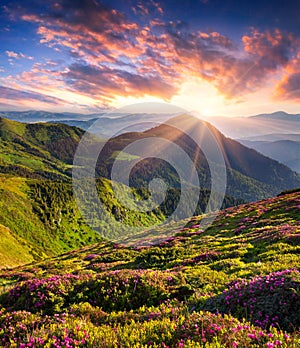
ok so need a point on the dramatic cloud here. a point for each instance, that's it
(104, 81)
(94, 31)
(17, 98)
(111, 55)
(18, 95)
(215, 58)
(146, 7)
(289, 86)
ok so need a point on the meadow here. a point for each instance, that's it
(234, 284)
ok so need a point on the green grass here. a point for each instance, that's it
(266, 242)
(46, 225)
(45, 215)
(37, 150)
(13, 250)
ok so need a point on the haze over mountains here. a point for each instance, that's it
(55, 145)
(107, 122)
(258, 125)
(285, 151)
(243, 127)
(275, 135)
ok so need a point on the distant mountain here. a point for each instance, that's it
(43, 116)
(109, 121)
(294, 164)
(245, 127)
(279, 115)
(251, 176)
(77, 123)
(284, 151)
(273, 137)
(105, 123)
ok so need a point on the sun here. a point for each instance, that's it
(199, 96)
(207, 112)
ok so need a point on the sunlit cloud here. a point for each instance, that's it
(26, 97)
(12, 54)
(288, 88)
(112, 57)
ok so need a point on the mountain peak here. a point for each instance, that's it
(278, 115)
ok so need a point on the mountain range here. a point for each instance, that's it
(257, 125)
(243, 127)
(39, 216)
(106, 125)
(39, 150)
(64, 282)
(285, 151)
(250, 175)
(267, 128)
(276, 135)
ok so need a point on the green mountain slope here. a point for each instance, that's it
(42, 217)
(13, 250)
(250, 239)
(250, 175)
(37, 150)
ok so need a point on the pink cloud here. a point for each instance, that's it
(288, 88)
(15, 55)
(112, 55)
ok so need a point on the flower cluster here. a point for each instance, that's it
(272, 300)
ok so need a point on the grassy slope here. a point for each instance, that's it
(44, 215)
(247, 240)
(13, 250)
(124, 286)
(37, 150)
(52, 232)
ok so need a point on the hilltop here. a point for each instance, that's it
(250, 175)
(37, 150)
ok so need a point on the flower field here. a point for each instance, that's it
(235, 284)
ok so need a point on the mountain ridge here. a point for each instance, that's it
(50, 149)
(239, 159)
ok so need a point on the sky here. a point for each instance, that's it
(213, 57)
